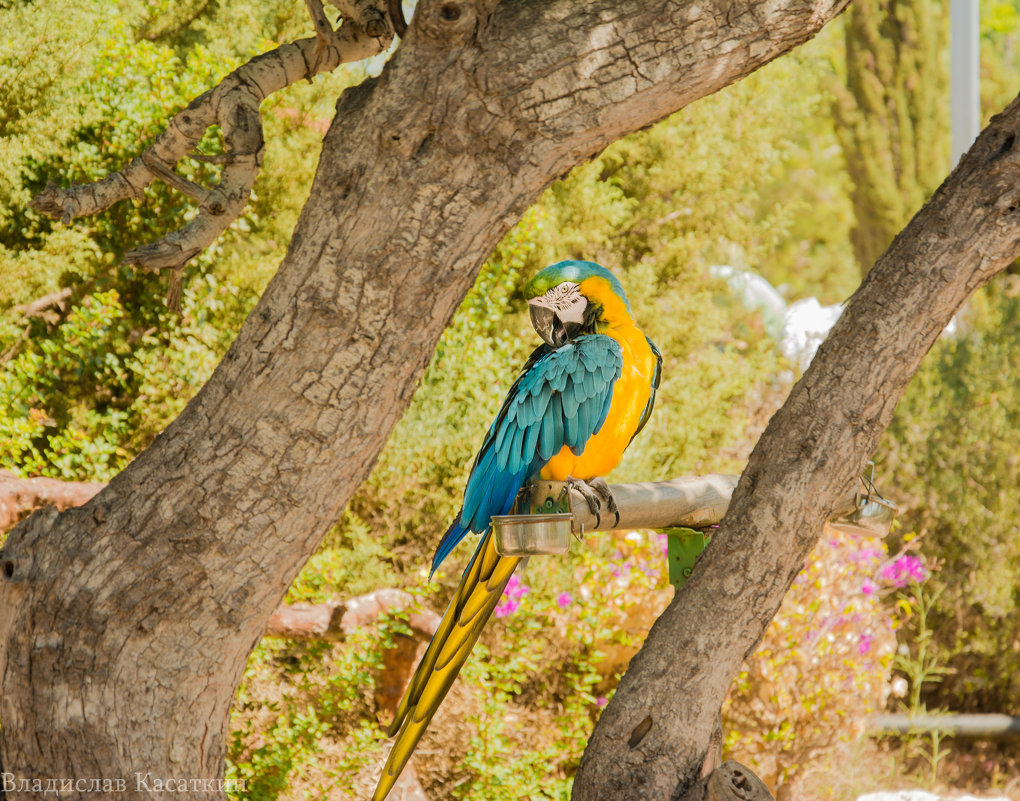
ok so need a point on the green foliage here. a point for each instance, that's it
(352, 561)
(88, 387)
(503, 768)
(80, 401)
(951, 452)
(293, 700)
(91, 382)
(118, 101)
(919, 664)
(34, 391)
(892, 114)
(717, 367)
(1000, 65)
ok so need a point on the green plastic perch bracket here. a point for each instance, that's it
(683, 547)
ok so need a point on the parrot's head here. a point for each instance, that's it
(571, 298)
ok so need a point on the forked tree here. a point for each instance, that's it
(125, 623)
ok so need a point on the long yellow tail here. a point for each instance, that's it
(477, 595)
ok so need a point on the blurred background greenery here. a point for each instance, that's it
(802, 174)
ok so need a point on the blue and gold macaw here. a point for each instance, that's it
(579, 401)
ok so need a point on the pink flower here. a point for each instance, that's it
(601, 701)
(564, 600)
(864, 644)
(866, 555)
(904, 570)
(869, 587)
(513, 592)
(506, 608)
(622, 571)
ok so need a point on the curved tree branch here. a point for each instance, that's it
(234, 106)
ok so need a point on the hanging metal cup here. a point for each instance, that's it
(531, 535)
(874, 514)
(872, 518)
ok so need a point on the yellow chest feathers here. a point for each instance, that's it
(630, 397)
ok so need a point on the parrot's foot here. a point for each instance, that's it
(596, 493)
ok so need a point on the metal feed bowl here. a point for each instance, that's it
(872, 518)
(531, 535)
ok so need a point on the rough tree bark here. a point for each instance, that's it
(656, 728)
(124, 625)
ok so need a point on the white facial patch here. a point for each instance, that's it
(566, 300)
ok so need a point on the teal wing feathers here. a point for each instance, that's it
(561, 398)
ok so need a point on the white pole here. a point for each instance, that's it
(965, 74)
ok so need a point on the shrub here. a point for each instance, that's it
(951, 455)
(824, 663)
(518, 718)
(79, 402)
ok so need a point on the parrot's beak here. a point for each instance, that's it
(548, 325)
(558, 316)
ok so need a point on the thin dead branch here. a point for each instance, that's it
(21, 496)
(366, 31)
(335, 620)
(41, 306)
(49, 308)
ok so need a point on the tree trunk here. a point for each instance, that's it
(125, 624)
(651, 739)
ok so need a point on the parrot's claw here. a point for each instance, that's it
(601, 489)
(596, 493)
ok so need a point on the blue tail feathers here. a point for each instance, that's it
(454, 534)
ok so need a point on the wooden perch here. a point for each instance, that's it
(233, 105)
(689, 501)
